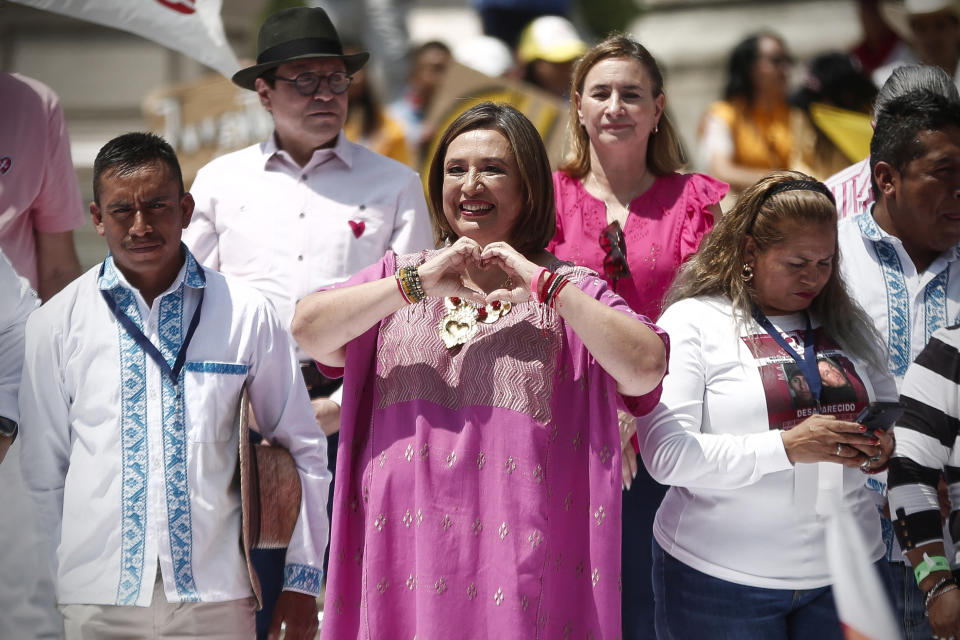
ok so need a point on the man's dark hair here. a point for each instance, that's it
(127, 153)
(895, 140)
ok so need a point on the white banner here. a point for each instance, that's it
(192, 27)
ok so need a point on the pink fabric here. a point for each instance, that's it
(38, 187)
(664, 227)
(478, 489)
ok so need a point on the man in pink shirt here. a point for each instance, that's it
(851, 187)
(39, 196)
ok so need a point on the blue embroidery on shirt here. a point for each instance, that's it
(935, 304)
(217, 367)
(898, 299)
(170, 330)
(302, 577)
(135, 463)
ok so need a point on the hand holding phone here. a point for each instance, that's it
(880, 416)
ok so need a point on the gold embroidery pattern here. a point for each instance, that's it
(554, 433)
(412, 582)
(440, 585)
(477, 527)
(538, 474)
(567, 501)
(472, 591)
(577, 441)
(524, 602)
(535, 539)
(600, 515)
(498, 596)
(408, 454)
(383, 585)
(451, 459)
(382, 459)
(558, 561)
(419, 516)
(579, 569)
(358, 556)
(481, 460)
(425, 451)
(567, 630)
(380, 522)
(446, 522)
(595, 576)
(407, 519)
(354, 504)
(503, 530)
(510, 465)
(605, 454)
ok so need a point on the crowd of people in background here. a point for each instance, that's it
(613, 398)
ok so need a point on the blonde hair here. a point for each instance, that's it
(664, 151)
(716, 268)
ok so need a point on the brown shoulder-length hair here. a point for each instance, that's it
(664, 151)
(716, 268)
(532, 230)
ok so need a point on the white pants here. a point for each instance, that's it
(230, 620)
(28, 609)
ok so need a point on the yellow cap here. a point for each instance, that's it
(550, 38)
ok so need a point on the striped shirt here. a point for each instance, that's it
(851, 189)
(927, 441)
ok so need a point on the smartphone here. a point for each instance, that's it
(880, 416)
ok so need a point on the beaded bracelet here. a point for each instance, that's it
(400, 287)
(556, 292)
(410, 284)
(555, 286)
(545, 287)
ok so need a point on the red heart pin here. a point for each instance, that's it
(357, 227)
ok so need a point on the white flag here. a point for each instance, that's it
(866, 612)
(192, 27)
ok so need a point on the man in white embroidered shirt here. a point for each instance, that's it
(900, 259)
(128, 405)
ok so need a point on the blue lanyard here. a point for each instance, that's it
(144, 342)
(807, 364)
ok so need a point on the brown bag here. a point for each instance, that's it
(270, 492)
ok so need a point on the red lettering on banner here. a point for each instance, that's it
(180, 6)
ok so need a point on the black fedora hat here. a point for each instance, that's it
(295, 34)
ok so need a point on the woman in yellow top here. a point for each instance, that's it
(750, 132)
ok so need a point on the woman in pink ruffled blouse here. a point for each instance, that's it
(624, 211)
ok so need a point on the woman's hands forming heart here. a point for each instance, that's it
(443, 275)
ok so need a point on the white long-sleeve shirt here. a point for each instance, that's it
(290, 230)
(18, 301)
(737, 509)
(128, 469)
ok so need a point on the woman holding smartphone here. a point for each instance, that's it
(750, 452)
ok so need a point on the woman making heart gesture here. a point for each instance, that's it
(479, 437)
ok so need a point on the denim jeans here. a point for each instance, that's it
(691, 604)
(911, 612)
(640, 505)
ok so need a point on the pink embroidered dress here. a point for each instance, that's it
(664, 227)
(478, 491)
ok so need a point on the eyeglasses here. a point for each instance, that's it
(308, 82)
(615, 247)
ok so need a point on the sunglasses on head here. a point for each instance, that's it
(615, 247)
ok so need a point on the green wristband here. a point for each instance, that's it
(929, 565)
